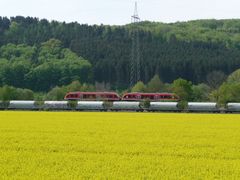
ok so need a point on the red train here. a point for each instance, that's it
(93, 96)
(112, 96)
(150, 96)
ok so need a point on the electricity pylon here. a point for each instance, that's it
(135, 55)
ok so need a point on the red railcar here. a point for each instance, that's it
(150, 96)
(93, 96)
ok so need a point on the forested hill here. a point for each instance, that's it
(190, 50)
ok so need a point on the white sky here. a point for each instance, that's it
(119, 12)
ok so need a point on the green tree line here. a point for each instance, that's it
(228, 90)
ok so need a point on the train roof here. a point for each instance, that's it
(79, 92)
(139, 93)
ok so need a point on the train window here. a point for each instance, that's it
(109, 96)
(167, 97)
(86, 96)
(92, 96)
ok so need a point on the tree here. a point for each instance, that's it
(24, 94)
(183, 89)
(234, 77)
(74, 86)
(229, 92)
(10, 93)
(102, 86)
(14, 31)
(13, 52)
(201, 92)
(155, 84)
(52, 49)
(56, 94)
(87, 87)
(4, 64)
(139, 87)
(215, 79)
(44, 77)
(73, 70)
(15, 73)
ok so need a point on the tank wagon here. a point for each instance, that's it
(163, 106)
(28, 105)
(126, 106)
(90, 105)
(233, 107)
(56, 105)
(202, 107)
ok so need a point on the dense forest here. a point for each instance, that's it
(190, 50)
(193, 59)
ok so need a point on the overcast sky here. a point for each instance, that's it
(119, 12)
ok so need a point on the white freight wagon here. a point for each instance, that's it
(202, 106)
(90, 105)
(30, 105)
(163, 106)
(233, 107)
(56, 105)
(127, 106)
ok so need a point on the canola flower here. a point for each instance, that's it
(81, 145)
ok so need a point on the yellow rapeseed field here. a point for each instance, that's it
(73, 145)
